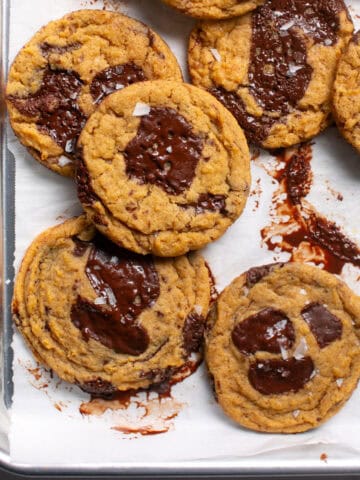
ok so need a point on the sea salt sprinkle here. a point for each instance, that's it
(296, 413)
(141, 109)
(63, 160)
(215, 53)
(198, 309)
(339, 382)
(301, 349)
(100, 301)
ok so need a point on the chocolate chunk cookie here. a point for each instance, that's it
(346, 100)
(165, 168)
(283, 347)
(214, 9)
(68, 68)
(105, 318)
(274, 68)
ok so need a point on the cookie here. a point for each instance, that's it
(282, 347)
(68, 67)
(164, 168)
(214, 9)
(346, 100)
(274, 68)
(107, 319)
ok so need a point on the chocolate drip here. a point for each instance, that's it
(269, 330)
(193, 332)
(98, 388)
(115, 78)
(164, 152)
(325, 326)
(274, 377)
(56, 108)
(279, 74)
(126, 285)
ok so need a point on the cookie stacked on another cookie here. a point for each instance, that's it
(164, 168)
(346, 100)
(105, 318)
(274, 68)
(283, 347)
(68, 67)
(214, 9)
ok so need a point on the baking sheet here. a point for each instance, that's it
(47, 428)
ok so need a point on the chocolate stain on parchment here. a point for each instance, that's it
(296, 227)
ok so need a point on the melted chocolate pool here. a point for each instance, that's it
(165, 151)
(126, 284)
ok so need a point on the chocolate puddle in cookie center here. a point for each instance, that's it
(279, 74)
(164, 152)
(126, 284)
(115, 78)
(56, 108)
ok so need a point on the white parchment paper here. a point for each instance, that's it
(41, 434)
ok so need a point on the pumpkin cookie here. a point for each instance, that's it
(105, 318)
(214, 9)
(282, 347)
(347, 93)
(68, 67)
(274, 68)
(164, 169)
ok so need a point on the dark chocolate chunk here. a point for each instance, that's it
(269, 330)
(85, 192)
(275, 376)
(193, 332)
(55, 107)
(255, 274)
(164, 152)
(115, 78)
(325, 326)
(98, 388)
(211, 203)
(298, 175)
(279, 74)
(47, 49)
(126, 284)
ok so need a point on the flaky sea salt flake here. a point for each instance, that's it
(215, 53)
(141, 109)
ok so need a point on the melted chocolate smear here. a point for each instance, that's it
(164, 152)
(279, 74)
(193, 333)
(126, 285)
(55, 106)
(274, 377)
(115, 78)
(269, 330)
(295, 178)
(325, 326)
(255, 274)
(298, 175)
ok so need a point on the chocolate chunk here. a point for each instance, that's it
(269, 330)
(274, 377)
(80, 247)
(255, 274)
(193, 332)
(325, 326)
(56, 108)
(279, 74)
(115, 78)
(98, 388)
(164, 152)
(298, 175)
(211, 203)
(47, 49)
(85, 192)
(126, 284)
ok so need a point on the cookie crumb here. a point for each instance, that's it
(339, 382)
(324, 457)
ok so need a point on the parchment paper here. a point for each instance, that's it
(41, 434)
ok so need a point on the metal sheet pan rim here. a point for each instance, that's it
(216, 467)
